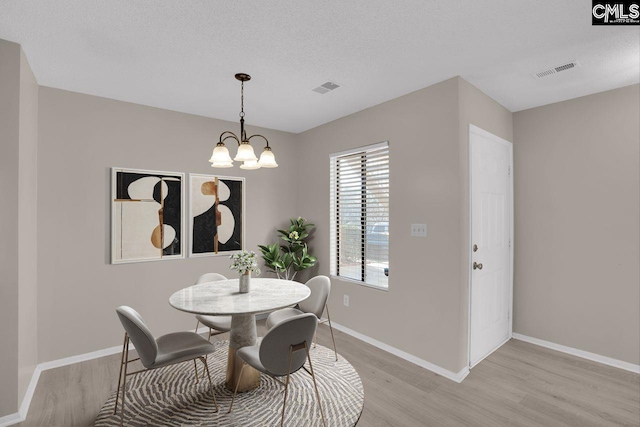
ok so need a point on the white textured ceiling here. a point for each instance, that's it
(182, 55)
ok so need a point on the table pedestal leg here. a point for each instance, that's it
(243, 333)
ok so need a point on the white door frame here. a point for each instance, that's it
(482, 132)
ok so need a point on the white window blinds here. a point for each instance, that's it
(359, 227)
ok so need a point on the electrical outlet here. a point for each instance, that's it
(346, 300)
(419, 230)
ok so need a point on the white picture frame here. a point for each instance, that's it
(147, 216)
(206, 236)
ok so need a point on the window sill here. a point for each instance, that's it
(357, 282)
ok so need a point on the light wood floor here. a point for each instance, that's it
(519, 385)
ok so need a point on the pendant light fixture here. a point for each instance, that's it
(220, 157)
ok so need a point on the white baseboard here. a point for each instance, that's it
(20, 416)
(26, 400)
(11, 419)
(82, 357)
(605, 360)
(453, 376)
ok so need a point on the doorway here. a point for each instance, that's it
(491, 240)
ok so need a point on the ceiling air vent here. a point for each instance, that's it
(326, 87)
(555, 70)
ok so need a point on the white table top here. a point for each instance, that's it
(223, 298)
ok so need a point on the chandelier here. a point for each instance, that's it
(220, 157)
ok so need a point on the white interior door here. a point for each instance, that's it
(491, 242)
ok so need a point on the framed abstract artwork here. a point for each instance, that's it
(147, 215)
(216, 215)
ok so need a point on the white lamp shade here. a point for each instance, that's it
(267, 159)
(245, 153)
(220, 155)
(250, 165)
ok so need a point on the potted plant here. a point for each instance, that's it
(244, 262)
(286, 260)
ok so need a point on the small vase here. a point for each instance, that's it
(245, 282)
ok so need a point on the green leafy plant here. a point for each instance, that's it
(285, 260)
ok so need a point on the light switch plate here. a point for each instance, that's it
(419, 230)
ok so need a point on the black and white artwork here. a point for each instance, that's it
(147, 215)
(216, 214)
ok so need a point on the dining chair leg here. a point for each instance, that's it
(206, 367)
(331, 330)
(236, 390)
(313, 376)
(208, 338)
(124, 382)
(286, 386)
(124, 343)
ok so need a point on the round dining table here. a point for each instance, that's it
(223, 298)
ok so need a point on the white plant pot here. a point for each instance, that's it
(245, 282)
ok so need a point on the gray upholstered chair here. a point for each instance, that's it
(316, 303)
(219, 324)
(283, 351)
(154, 353)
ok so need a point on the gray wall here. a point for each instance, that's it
(81, 137)
(9, 153)
(577, 181)
(27, 228)
(424, 312)
(18, 227)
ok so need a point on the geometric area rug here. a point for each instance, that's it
(170, 397)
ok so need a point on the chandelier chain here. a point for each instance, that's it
(241, 99)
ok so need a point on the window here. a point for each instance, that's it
(360, 215)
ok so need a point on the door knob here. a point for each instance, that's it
(477, 266)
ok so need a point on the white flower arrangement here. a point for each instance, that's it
(245, 261)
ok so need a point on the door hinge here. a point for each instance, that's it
(509, 170)
(509, 244)
(508, 314)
